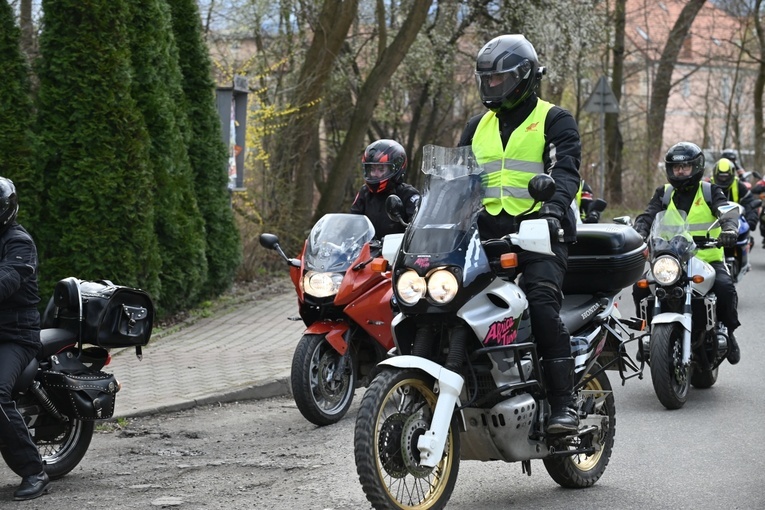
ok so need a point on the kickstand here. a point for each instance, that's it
(526, 467)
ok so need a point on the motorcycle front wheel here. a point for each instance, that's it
(671, 380)
(396, 410)
(579, 471)
(63, 450)
(322, 390)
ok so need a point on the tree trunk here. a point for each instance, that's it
(759, 87)
(294, 158)
(380, 75)
(614, 142)
(662, 83)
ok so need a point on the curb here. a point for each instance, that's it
(257, 391)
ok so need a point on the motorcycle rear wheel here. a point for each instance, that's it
(64, 452)
(580, 471)
(671, 380)
(321, 398)
(395, 411)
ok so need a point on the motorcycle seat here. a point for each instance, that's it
(578, 309)
(54, 340)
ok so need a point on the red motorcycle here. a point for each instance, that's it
(346, 307)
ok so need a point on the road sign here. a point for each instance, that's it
(602, 99)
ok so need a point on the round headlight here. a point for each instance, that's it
(321, 284)
(666, 270)
(442, 286)
(410, 287)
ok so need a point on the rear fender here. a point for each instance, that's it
(334, 332)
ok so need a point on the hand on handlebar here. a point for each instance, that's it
(728, 238)
(553, 223)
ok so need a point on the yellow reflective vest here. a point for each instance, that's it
(700, 217)
(508, 170)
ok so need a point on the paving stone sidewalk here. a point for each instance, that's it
(241, 352)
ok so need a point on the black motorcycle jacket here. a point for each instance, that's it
(561, 158)
(373, 206)
(19, 317)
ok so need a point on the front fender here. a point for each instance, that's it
(443, 375)
(334, 333)
(670, 317)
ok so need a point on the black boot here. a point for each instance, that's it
(559, 381)
(32, 486)
(734, 354)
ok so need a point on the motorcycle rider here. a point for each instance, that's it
(19, 342)
(584, 198)
(519, 136)
(724, 175)
(384, 165)
(732, 155)
(684, 165)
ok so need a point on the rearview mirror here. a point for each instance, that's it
(395, 208)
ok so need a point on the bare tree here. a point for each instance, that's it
(662, 83)
(614, 141)
(389, 59)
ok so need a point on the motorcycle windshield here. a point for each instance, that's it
(449, 202)
(669, 233)
(336, 241)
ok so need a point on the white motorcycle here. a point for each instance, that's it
(465, 381)
(685, 343)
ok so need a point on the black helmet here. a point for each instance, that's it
(724, 173)
(507, 71)
(682, 154)
(731, 155)
(9, 204)
(384, 165)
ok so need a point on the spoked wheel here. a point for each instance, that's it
(580, 470)
(396, 410)
(63, 451)
(322, 387)
(671, 379)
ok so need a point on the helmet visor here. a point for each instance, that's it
(376, 172)
(724, 179)
(497, 85)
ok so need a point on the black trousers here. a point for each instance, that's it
(19, 451)
(724, 289)
(542, 281)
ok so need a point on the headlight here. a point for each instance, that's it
(410, 287)
(321, 284)
(442, 286)
(666, 270)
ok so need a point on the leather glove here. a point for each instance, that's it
(643, 233)
(728, 238)
(552, 216)
(592, 217)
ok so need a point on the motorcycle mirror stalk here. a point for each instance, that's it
(271, 242)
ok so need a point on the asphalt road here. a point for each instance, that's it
(263, 455)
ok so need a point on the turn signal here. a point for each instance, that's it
(697, 278)
(643, 284)
(379, 265)
(508, 260)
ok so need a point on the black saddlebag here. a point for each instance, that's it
(112, 315)
(78, 391)
(606, 258)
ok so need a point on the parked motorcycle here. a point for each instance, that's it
(685, 342)
(63, 391)
(465, 381)
(346, 307)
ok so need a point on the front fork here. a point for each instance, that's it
(684, 319)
